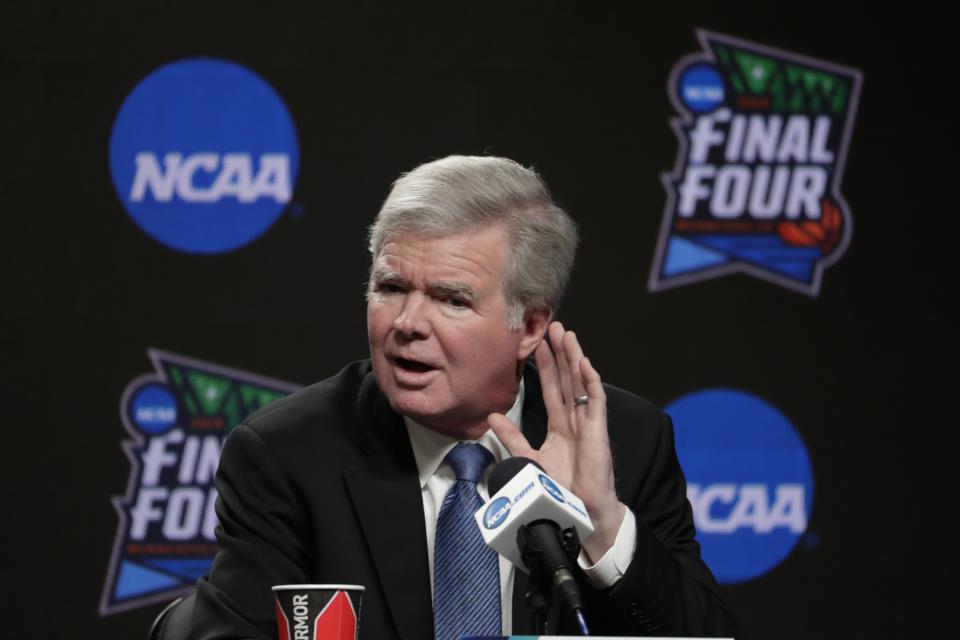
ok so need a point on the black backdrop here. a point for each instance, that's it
(579, 92)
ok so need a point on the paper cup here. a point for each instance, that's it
(318, 611)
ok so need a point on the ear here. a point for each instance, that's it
(535, 323)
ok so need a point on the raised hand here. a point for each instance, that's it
(576, 450)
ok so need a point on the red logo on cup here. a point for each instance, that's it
(338, 620)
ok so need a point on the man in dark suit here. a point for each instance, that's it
(349, 480)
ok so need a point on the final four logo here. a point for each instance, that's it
(755, 189)
(178, 418)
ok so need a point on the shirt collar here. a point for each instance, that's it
(430, 447)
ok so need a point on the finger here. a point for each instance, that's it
(574, 355)
(549, 380)
(556, 332)
(510, 435)
(597, 404)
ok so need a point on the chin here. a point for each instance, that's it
(418, 408)
(424, 412)
(458, 433)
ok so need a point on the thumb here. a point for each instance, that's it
(510, 435)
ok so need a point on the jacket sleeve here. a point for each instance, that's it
(667, 589)
(260, 536)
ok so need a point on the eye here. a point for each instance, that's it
(458, 303)
(389, 287)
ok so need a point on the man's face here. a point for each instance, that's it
(436, 321)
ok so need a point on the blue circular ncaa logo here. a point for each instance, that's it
(701, 88)
(496, 513)
(552, 488)
(749, 480)
(153, 409)
(203, 155)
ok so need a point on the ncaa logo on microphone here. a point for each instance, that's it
(552, 488)
(496, 513)
(203, 155)
(749, 480)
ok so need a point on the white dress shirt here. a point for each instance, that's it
(436, 478)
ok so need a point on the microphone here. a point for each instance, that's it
(536, 524)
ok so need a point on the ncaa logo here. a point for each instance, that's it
(496, 513)
(552, 488)
(749, 480)
(701, 88)
(203, 155)
(153, 409)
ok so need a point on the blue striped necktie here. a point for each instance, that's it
(466, 588)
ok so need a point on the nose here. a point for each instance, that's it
(413, 322)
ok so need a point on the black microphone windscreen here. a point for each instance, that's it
(504, 472)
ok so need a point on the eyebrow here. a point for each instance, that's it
(382, 276)
(452, 289)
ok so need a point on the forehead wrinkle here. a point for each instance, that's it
(478, 261)
(383, 272)
(484, 264)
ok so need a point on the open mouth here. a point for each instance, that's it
(412, 365)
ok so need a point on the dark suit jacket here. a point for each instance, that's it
(321, 487)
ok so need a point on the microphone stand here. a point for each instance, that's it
(535, 553)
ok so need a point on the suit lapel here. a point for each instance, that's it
(385, 491)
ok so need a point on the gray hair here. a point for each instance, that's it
(458, 193)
